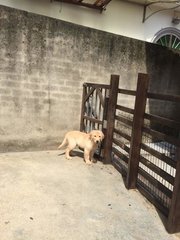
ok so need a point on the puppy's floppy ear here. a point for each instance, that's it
(90, 135)
(102, 136)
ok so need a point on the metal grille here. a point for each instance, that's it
(157, 166)
(122, 135)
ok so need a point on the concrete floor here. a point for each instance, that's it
(43, 196)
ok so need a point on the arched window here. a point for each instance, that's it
(168, 37)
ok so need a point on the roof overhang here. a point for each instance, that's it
(94, 4)
(159, 5)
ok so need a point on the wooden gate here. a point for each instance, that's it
(93, 106)
(97, 111)
(147, 156)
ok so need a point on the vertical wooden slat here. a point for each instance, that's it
(83, 109)
(173, 223)
(113, 92)
(140, 104)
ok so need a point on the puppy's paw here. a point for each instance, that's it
(68, 157)
(94, 160)
(88, 162)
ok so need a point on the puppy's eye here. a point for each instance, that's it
(94, 135)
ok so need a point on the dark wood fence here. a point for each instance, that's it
(137, 142)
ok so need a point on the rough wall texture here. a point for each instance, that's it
(43, 64)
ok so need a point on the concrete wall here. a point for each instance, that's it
(43, 64)
(121, 18)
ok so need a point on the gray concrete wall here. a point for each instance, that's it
(43, 64)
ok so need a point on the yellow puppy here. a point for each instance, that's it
(87, 141)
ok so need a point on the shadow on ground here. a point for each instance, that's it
(45, 196)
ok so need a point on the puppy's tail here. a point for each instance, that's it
(63, 144)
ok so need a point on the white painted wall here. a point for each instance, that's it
(119, 18)
(157, 22)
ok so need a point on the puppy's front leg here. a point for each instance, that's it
(87, 156)
(92, 156)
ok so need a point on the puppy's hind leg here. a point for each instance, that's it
(69, 148)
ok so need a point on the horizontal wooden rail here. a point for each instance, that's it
(125, 109)
(121, 145)
(162, 120)
(122, 134)
(127, 92)
(124, 120)
(162, 136)
(155, 183)
(120, 155)
(165, 97)
(95, 85)
(159, 155)
(157, 96)
(157, 170)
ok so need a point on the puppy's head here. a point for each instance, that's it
(96, 136)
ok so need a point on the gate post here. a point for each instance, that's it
(173, 223)
(138, 121)
(111, 110)
(82, 109)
